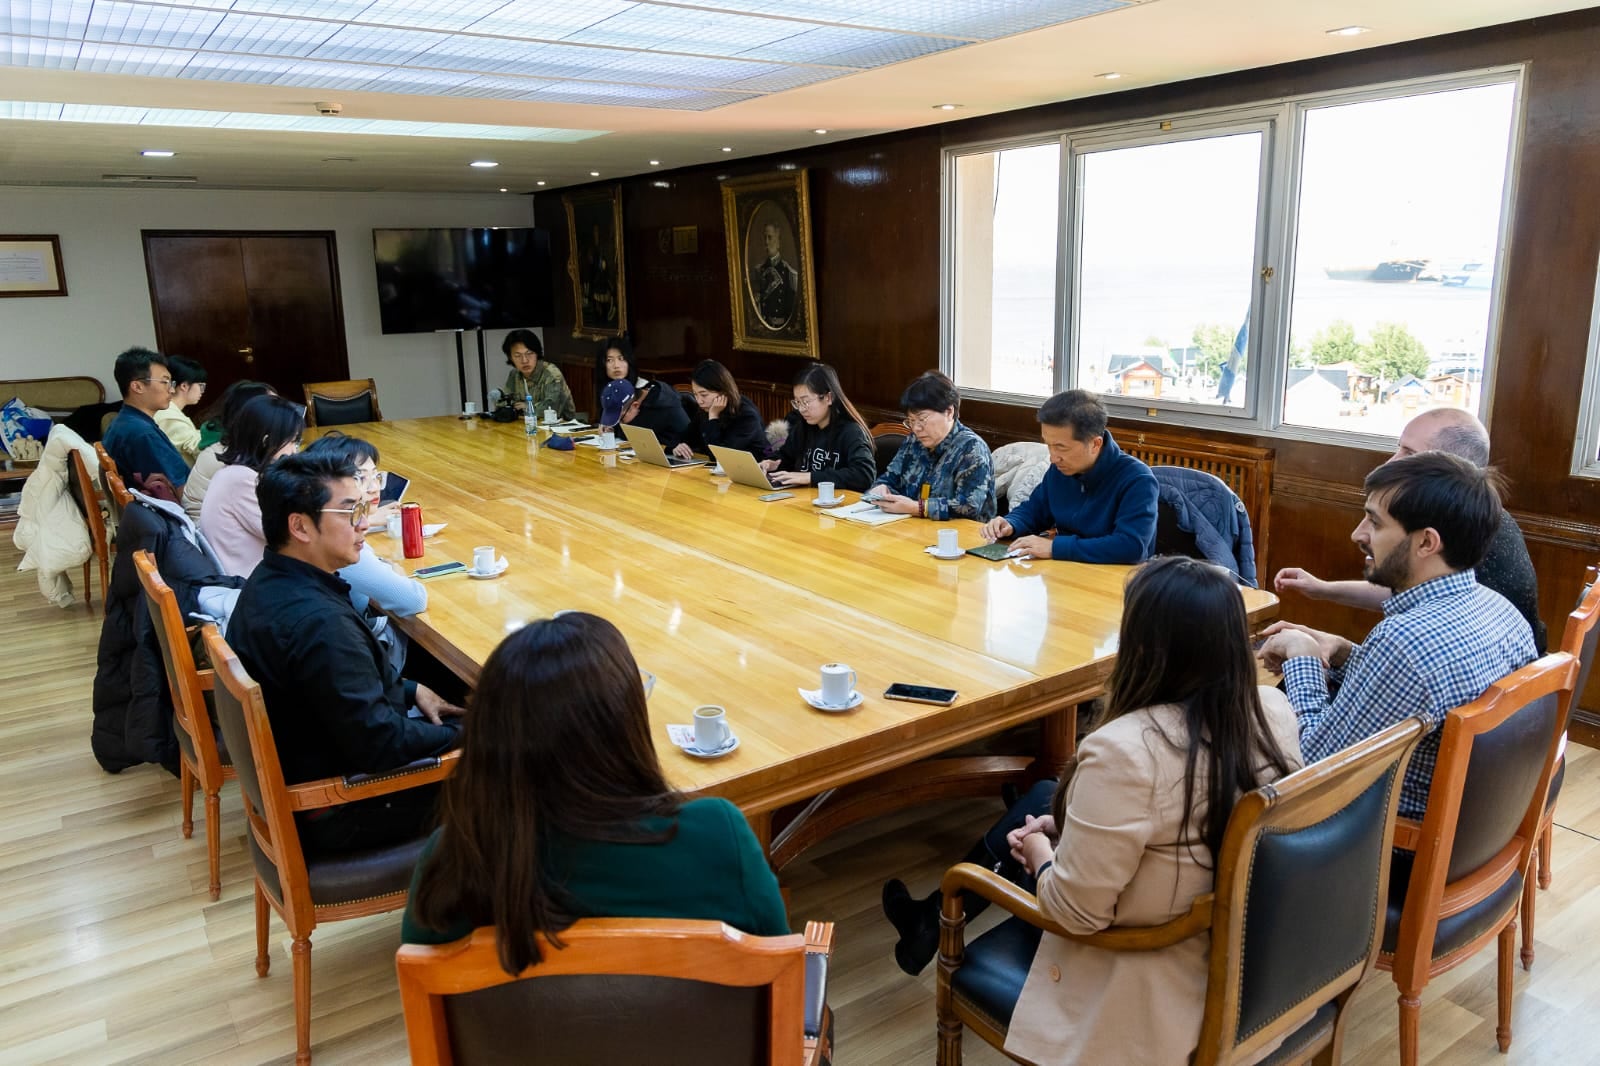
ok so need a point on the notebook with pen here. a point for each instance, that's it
(866, 514)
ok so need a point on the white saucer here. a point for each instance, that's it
(934, 551)
(813, 696)
(496, 572)
(727, 749)
(838, 498)
(717, 471)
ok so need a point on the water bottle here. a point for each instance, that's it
(530, 417)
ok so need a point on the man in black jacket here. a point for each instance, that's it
(336, 706)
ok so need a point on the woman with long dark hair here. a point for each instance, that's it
(828, 439)
(559, 809)
(230, 515)
(726, 417)
(655, 404)
(213, 437)
(1128, 837)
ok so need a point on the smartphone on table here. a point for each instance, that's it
(440, 570)
(942, 697)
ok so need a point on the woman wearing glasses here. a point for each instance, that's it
(230, 516)
(726, 418)
(942, 471)
(828, 438)
(371, 579)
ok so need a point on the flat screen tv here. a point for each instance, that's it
(481, 278)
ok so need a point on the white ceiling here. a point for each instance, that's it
(556, 90)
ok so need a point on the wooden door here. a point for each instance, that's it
(259, 305)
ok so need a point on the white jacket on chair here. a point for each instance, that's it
(51, 532)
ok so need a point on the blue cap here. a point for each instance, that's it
(559, 443)
(614, 399)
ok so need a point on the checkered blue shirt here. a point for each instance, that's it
(1440, 645)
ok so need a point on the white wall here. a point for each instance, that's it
(107, 306)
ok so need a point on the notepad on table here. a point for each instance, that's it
(867, 514)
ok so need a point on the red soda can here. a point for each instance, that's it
(411, 529)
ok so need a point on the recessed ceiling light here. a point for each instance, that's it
(945, 107)
(538, 183)
(1110, 75)
(483, 164)
(819, 132)
(338, 159)
(655, 162)
(504, 189)
(594, 173)
(1349, 31)
(725, 148)
(158, 153)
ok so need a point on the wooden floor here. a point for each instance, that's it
(111, 953)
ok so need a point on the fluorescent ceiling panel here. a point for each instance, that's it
(430, 14)
(178, 116)
(311, 74)
(165, 27)
(376, 44)
(418, 82)
(30, 110)
(848, 47)
(213, 66)
(123, 59)
(777, 79)
(45, 18)
(672, 29)
(265, 34)
(548, 19)
(37, 53)
(978, 19)
(488, 55)
(339, 10)
(103, 113)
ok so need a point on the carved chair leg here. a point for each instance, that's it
(263, 960)
(302, 1000)
(1508, 945)
(186, 779)
(105, 581)
(1410, 1018)
(1544, 852)
(1528, 904)
(88, 590)
(949, 1041)
(214, 843)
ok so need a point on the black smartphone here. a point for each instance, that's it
(438, 571)
(773, 496)
(942, 697)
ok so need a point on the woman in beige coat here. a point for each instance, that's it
(1185, 732)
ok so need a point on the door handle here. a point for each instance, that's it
(249, 354)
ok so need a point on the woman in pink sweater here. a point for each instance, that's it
(230, 516)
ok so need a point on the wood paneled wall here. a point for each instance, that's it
(875, 206)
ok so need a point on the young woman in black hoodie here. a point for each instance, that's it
(659, 409)
(828, 438)
(726, 418)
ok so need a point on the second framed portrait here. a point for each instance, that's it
(770, 276)
(594, 262)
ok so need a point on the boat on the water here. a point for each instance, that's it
(1388, 270)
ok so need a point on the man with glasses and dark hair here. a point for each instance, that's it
(1100, 500)
(337, 707)
(133, 440)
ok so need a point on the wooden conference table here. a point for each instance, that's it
(731, 601)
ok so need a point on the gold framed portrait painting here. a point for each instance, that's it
(594, 262)
(767, 219)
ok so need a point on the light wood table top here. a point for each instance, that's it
(731, 601)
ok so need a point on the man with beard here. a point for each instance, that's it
(1444, 638)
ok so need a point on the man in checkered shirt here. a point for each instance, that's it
(1444, 638)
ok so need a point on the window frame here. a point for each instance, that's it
(1283, 119)
(1586, 442)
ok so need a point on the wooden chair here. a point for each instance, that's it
(305, 891)
(1300, 878)
(1578, 639)
(886, 440)
(108, 465)
(342, 403)
(117, 493)
(81, 486)
(202, 757)
(666, 992)
(1457, 878)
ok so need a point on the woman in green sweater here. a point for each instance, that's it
(559, 809)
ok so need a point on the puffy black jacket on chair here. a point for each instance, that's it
(132, 704)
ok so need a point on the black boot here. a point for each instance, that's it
(917, 920)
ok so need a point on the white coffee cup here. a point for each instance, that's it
(949, 541)
(549, 414)
(825, 492)
(393, 528)
(483, 560)
(838, 682)
(710, 727)
(608, 440)
(469, 408)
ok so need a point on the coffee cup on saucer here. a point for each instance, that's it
(825, 492)
(549, 414)
(838, 684)
(711, 730)
(483, 559)
(949, 543)
(469, 409)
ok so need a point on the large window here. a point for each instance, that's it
(1314, 265)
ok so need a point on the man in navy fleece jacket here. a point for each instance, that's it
(1100, 500)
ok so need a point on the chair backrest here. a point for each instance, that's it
(183, 677)
(108, 465)
(342, 403)
(1170, 540)
(666, 992)
(1580, 635)
(274, 843)
(1490, 781)
(117, 492)
(886, 440)
(57, 397)
(81, 485)
(1301, 878)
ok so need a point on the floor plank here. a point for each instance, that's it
(111, 953)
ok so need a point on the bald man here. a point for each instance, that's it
(1506, 568)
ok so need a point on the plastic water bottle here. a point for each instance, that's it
(530, 417)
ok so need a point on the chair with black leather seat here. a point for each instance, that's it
(306, 891)
(660, 991)
(342, 403)
(80, 485)
(886, 440)
(1578, 639)
(1457, 878)
(203, 759)
(1294, 918)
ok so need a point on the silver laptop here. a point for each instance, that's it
(648, 448)
(742, 467)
